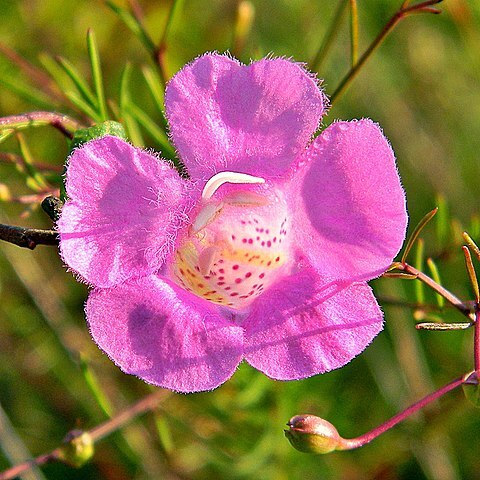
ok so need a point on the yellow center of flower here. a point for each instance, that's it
(236, 247)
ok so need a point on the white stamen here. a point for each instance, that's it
(245, 198)
(206, 215)
(227, 177)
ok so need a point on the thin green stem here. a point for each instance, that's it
(353, 32)
(97, 74)
(330, 36)
(162, 46)
(63, 123)
(148, 403)
(404, 11)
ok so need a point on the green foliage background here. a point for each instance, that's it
(423, 87)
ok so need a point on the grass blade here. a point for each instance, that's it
(135, 26)
(83, 106)
(81, 85)
(436, 277)
(97, 75)
(153, 129)
(37, 181)
(416, 232)
(131, 125)
(156, 89)
(419, 286)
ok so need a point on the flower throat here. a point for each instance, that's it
(236, 246)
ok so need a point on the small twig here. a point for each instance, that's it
(404, 11)
(463, 307)
(148, 403)
(27, 237)
(63, 123)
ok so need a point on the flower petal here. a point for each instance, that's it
(349, 206)
(250, 119)
(155, 330)
(124, 208)
(306, 325)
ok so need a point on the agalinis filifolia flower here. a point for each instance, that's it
(260, 255)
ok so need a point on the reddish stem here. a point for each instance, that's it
(476, 344)
(350, 443)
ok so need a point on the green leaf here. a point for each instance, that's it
(81, 85)
(419, 286)
(416, 232)
(134, 25)
(131, 124)
(5, 133)
(56, 72)
(35, 179)
(153, 129)
(27, 93)
(164, 433)
(95, 387)
(436, 277)
(83, 106)
(442, 223)
(97, 74)
(156, 89)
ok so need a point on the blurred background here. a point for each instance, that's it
(422, 86)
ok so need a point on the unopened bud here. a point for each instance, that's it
(99, 130)
(78, 448)
(312, 434)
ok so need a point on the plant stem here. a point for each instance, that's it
(150, 402)
(353, 32)
(463, 307)
(403, 12)
(162, 46)
(476, 340)
(63, 123)
(27, 237)
(350, 443)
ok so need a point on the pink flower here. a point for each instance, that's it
(261, 255)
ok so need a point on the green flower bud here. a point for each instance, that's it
(100, 130)
(78, 448)
(311, 434)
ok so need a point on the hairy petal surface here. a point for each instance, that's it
(252, 119)
(123, 212)
(348, 203)
(307, 325)
(154, 329)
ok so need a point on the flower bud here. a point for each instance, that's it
(99, 130)
(312, 434)
(77, 449)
